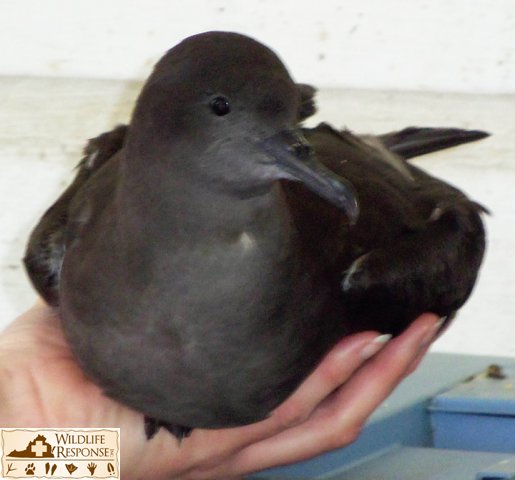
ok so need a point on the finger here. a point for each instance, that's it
(424, 349)
(371, 385)
(338, 421)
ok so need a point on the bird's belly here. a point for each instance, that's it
(203, 343)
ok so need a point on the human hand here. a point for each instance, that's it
(41, 385)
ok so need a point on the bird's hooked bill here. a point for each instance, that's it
(293, 154)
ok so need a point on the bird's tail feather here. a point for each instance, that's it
(415, 141)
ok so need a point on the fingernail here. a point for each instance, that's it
(432, 332)
(374, 346)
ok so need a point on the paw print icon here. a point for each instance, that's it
(30, 469)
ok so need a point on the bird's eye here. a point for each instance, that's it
(220, 106)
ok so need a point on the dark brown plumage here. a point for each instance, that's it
(208, 255)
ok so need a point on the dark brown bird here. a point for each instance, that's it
(209, 254)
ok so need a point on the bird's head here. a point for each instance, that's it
(221, 108)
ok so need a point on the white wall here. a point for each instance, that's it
(449, 45)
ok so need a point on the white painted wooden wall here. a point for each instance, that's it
(445, 45)
(50, 102)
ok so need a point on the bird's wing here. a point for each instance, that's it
(46, 247)
(415, 141)
(417, 244)
(430, 270)
(371, 147)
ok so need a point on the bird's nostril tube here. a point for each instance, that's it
(302, 150)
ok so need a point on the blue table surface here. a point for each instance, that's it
(402, 419)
